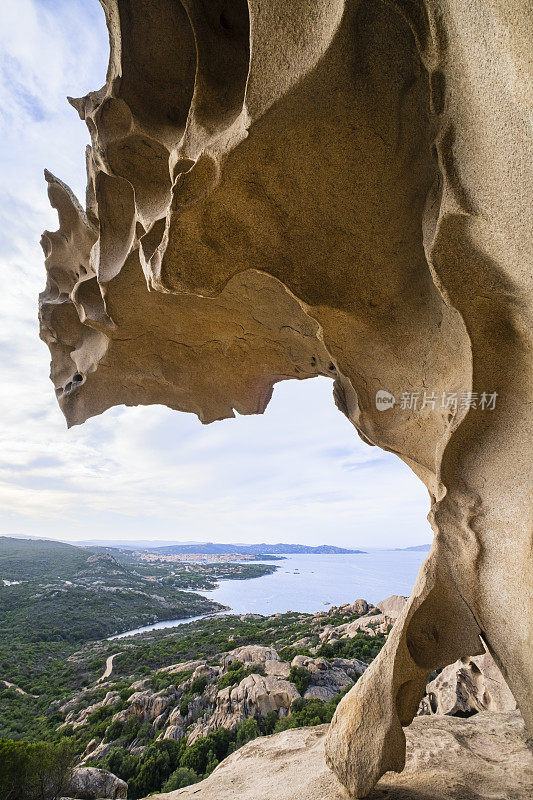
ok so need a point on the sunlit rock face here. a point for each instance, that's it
(283, 190)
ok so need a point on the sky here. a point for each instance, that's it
(299, 473)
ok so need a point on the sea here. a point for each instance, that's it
(312, 583)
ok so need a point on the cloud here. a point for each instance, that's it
(299, 473)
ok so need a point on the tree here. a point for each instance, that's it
(247, 730)
(180, 778)
(35, 771)
(301, 677)
(270, 722)
(13, 760)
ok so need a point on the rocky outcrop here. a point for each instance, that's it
(148, 705)
(251, 654)
(89, 783)
(377, 623)
(77, 719)
(466, 687)
(328, 678)
(392, 606)
(481, 758)
(254, 696)
(284, 190)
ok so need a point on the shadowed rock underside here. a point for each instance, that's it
(283, 190)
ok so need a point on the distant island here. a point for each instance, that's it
(416, 548)
(253, 549)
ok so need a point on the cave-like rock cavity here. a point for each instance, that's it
(339, 187)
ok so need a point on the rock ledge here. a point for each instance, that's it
(481, 758)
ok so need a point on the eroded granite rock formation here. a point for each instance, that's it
(466, 687)
(88, 783)
(282, 190)
(481, 758)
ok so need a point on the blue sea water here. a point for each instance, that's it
(312, 583)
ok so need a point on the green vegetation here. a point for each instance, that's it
(167, 765)
(57, 592)
(38, 560)
(170, 764)
(301, 677)
(38, 771)
(56, 671)
(362, 646)
(53, 649)
(180, 778)
(307, 713)
(236, 672)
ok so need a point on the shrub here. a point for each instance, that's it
(236, 672)
(255, 669)
(34, 771)
(234, 675)
(247, 730)
(288, 653)
(100, 714)
(203, 753)
(301, 677)
(362, 646)
(113, 731)
(270, 722)
(180, 778)
(198, 685)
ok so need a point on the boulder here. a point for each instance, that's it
(184, 666)
(174, 732)
(333, 188)
(483, 758)
(392, 606)
(277, 669)
(149, 705)
(80, 718)
(327, 679)
(254, 696)
(97, 752)
(351, 666)
(360, 606)
(251, 654)
(371, 624)
(466, 687)
(89, 783)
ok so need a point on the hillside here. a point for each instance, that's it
(39, 559)
(55, 592)
(173, 696)
(416, 548)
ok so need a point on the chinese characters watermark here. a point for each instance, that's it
(432, 401)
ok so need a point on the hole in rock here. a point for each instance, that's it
(158, 60)
(224, 22)
(297, 474)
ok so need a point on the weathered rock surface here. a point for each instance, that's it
(254, 696)
(392, 606)
(80, 718)
(327, 678)
(482, 758)
(251, 654)
(283, 190)
(466, 687)
(89, 783)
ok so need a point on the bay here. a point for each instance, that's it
(311, 583)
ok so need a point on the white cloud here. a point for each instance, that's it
(299, 473)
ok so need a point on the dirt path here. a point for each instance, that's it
(108, 668)
(9, 685)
